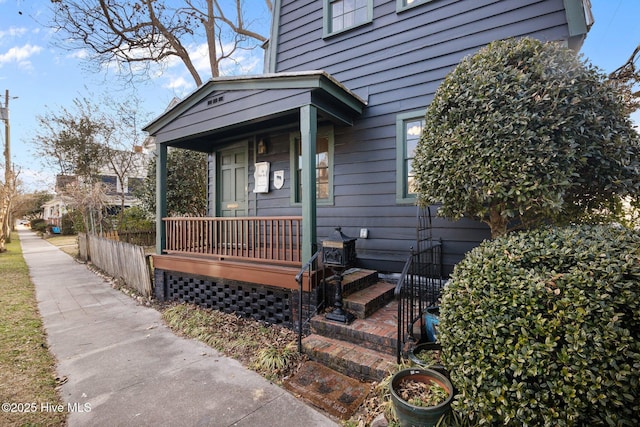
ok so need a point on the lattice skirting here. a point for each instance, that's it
(264, 303)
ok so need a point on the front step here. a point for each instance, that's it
(366, 347)
(378, 332)
(367, 301)
(354, 280)
(349, 358)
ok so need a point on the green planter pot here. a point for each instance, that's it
(419, 416)
(414, 356)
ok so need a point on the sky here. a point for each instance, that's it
(42, 78)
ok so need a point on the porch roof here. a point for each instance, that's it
(227, 106)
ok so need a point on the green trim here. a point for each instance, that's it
(274, 38)
(238, 146)
(402, 5)
(161, 197)
(401, 153)
(325, 131)
(576, 19)
(327, 31)
(308, 134)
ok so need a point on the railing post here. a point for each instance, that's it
(308, 133)
(161, 196)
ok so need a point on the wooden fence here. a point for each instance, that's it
(119, 260)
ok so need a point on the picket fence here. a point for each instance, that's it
(120, 260)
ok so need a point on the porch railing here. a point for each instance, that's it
(275, 238)
(419, 288)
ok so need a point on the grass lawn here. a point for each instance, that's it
(27, 368)
(67, 244)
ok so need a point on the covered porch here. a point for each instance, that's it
(251, 238)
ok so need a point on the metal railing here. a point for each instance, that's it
(275, 238)
(314, 275)
(419, 288)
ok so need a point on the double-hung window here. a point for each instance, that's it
(408, 131)
(342, 15)
(324, 167)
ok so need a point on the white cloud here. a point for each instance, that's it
(179, 85)
(13, 32)
(20, 55)
(36, 180)
(243, 61)
(79, 54)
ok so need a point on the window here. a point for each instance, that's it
(341, 15)
(408, 4)
(324, 167)
(110, 182)
(408, 131)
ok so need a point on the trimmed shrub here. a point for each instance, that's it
(523, 133)
(67, 225)
(39, 224)
(543, 328)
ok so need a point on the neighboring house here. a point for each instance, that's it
(54, 209)
(323, 139)
(119, 188)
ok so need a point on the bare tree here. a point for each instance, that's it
(8, 193)
(93, 140)
(138, 33)
(627, 77)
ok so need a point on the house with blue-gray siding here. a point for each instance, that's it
(324, 138)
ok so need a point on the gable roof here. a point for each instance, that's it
(223, 104)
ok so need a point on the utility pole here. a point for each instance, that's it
(8, 179)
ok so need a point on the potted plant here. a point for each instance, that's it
(427, 355)
(420, 397)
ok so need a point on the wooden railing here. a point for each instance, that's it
(273, 238)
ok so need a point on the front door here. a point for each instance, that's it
(232, 182)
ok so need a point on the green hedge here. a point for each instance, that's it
(543, 328)
(39, 224)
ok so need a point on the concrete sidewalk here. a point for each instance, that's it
(125, 368)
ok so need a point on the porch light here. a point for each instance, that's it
(339, 253)
(262, 146)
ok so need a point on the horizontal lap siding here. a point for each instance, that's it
(236, 107)
(275, 202)
(397, 62)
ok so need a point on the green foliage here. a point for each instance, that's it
(136, 219)
(67, 225)
(39, 224)
(186, 184)
(523, 133)
(543, 328)
(30, 205)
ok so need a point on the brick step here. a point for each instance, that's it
(349, 358)
(377, 332)
(367, 301)
(354, 280)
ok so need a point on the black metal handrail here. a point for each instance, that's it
(315, 276)
(419, 288)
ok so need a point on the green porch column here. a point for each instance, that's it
(308, 133)
(161, 196)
